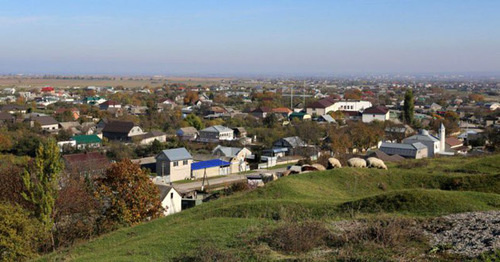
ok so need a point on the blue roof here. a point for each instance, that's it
(209, 164)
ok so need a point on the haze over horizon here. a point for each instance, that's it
(249, 37)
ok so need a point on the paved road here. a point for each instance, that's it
(230, 179)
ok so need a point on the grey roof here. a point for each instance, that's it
(405, 150)
(328, 118)
(152, 134)
(45, 120)
(188, 130)
(413, 146)
(164, 189)
(217, 129)
(423, 136)
(177, 154)
(227, 151)
(295, 141)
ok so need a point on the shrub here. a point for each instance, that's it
(297, 237)
(19, 234)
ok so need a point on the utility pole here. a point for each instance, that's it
(291, 97)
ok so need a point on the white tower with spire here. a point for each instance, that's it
(442, 138)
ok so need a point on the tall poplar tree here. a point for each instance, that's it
(408, 107)
(41, 182)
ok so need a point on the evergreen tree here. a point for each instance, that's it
(408, 107)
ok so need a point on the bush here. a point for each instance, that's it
(19, 234)
(297, 237)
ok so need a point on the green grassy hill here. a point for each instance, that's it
(233, 228)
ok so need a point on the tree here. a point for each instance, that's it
(127, 194)
(408, 107)
(190, 98)
(194, 121)
(353, 94)
(271, 120)
(19, 234)
(40, 182)
(75, 212)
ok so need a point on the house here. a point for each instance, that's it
(174, 164)
(72, 126)
(74, 112)
(150, 137)
(240, 132)
(216, 133)
(171, 200)
(261, 112)
(13, 109)
(89, 164)
(321, 107)
(385, 157)
(210, 168)
(380, 113)
(47, 123)
(187, 133)
(109, 104)
(416, 150)
(93, 100)
(121, 130)
(453, 143)
(300, 116)
(491, 106)
(294, 146)
(87, 141)
(398, 132)
(235, 155)
(48, 90)
(351, 105)
(435, 107)
(166, 103)
(431, 142)
(6, 118)
(283, 111)
(326, 119)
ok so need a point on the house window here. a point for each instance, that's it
(176, 163)
(171, 195)
(185, 162)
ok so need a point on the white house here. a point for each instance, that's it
(434, 144)
(216, 133)
(354, 105)
(171, 200)
(380, 113)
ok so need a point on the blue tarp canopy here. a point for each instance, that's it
(209, 164)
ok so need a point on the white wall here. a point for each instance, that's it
(172, 203)
(367, 118)
(351, 105)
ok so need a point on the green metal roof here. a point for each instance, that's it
(87, 139)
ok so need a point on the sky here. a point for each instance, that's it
(205, 37)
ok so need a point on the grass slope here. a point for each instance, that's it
(423, 188)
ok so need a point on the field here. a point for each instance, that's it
(26, 82)
(235, 227)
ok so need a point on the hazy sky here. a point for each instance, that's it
(240, 37)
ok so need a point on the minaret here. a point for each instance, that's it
(442, 138)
